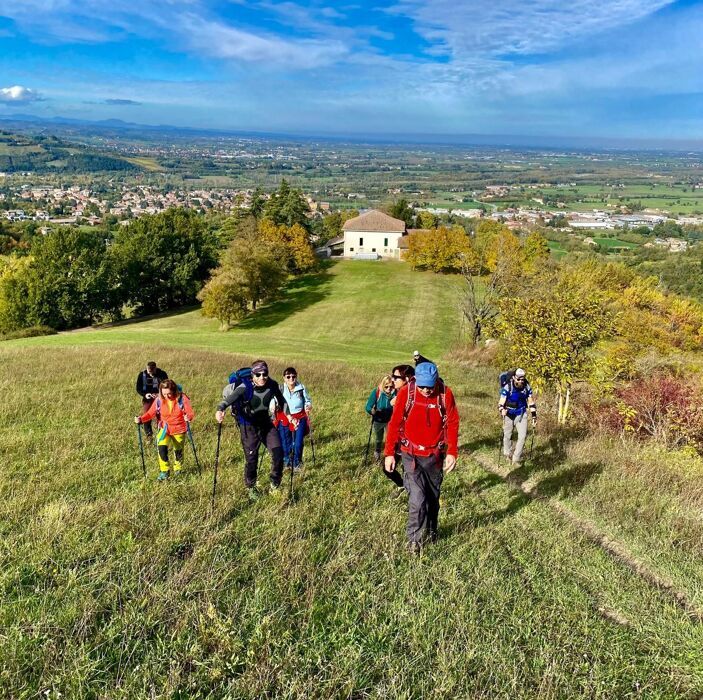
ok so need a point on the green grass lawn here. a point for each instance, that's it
(117, 587)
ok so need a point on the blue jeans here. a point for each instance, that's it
(293, 441)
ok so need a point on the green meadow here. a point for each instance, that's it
(114, 586)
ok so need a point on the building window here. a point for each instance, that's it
(385, 243)
(373, 250)
(351, 250)
(361, 242)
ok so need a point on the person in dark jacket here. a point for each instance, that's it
(418, 358)
(256, 402)
(148, 381)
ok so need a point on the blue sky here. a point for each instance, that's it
(614, 68)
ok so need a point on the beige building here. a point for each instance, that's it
(373, 235)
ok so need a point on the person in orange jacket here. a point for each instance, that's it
(425, 426)
(173, 413)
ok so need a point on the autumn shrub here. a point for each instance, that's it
(662, 407)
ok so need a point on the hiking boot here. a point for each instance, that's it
(432, 536)
(275, 491)
(253, 493)
(377, 456)
(298, 468)
(162, 476)
(398, 492)
(414, 549)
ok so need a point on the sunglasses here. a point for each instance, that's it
(290, 376)
(396, 376)
(260, 374)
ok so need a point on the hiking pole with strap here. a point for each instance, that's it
(141, 447)
(532, 441)
(217, 461)
(192, 444)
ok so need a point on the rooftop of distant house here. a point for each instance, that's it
(375, 220)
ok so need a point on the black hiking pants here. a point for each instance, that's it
(253, 437)
(423, 480)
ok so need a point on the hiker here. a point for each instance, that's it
(515, 400)
(172, 410)
(400, 375)
(148, 381)
(418, 358)
(255, 400)
(379, 407)
(425, 423)
(293, 432)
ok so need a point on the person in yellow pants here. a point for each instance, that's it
(173, 413)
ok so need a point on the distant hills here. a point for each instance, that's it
(118, 127)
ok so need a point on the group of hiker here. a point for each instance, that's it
(414, 424)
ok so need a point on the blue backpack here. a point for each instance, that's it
(241, 376)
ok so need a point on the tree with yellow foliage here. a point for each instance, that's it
(441, 250)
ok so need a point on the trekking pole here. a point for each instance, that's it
(532, 440)
(291, 455)
(368, 444)
(141, 447)
(192, 444)
(217, 461)
(312, 443)
(500, 448)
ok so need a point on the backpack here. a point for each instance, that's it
(506, 377)
(241, 376)
(410, 402)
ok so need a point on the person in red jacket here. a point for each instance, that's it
(173, 412)
(425, 425)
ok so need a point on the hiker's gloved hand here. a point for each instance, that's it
(373, 411)
(219, 416)
(449, 463)
(503, 412)
(389, 464)
(534, 421)
(137, 419)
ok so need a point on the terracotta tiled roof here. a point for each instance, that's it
(374, 221)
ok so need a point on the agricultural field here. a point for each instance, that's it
(114, 586)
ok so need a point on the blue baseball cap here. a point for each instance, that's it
(426, 374)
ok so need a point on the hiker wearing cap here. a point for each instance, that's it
(418, 358)
(148, 381)
(173, 412)
(400, 375)
(379, 407)
(425, 424)
(515, 401)
(256, 400)
(293, 432)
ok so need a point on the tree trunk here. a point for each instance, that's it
(566, 405)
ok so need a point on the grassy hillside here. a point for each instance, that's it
(48, 154)
(112, 586)
(358, 312)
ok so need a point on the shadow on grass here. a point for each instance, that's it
(548, 457)
(300, 293)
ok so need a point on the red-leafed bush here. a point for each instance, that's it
(661, 407)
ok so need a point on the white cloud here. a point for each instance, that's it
(519, 27)
(17, 94)
(219, 40)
